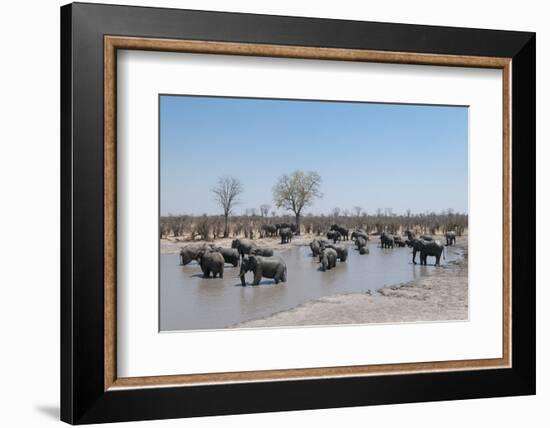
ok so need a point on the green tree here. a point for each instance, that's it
(297, 191)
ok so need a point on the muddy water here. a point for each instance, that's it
(190, 302)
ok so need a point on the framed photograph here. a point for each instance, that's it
(266, 213)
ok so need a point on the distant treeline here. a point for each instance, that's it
(208, 227)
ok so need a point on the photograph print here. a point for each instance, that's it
(287, 212)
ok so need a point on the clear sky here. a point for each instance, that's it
(369, 155)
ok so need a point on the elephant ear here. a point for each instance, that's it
(253, 262)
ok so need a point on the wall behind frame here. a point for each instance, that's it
(29, 220)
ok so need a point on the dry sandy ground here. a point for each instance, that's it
(172, 246)
(441, 295)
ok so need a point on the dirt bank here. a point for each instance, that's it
(441, 294)
(172, 246)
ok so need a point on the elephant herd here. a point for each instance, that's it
(424, 244)
(262, 263)
(253, 258)
(284, 230)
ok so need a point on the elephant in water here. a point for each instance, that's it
(315, 246)
(243, 246)
(261, 251)
(267, 267)
(230, 255)
(286, 235)
(450, 236)
(211, 262)
(364, 250)
(334, 236)
(428, 248)
(342, 230)
(327, 258)
(359, 233)
(386, 241)
(341, 251)
(190, 252)
(360, 242)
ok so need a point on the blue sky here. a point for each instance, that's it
(368, 154)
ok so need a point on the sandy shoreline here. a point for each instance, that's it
(440, 295)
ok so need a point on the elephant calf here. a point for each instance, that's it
(211, 262)
(267, 267)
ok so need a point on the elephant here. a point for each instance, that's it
(315, 246)
(211, 262)
(341, 251)
(266, 267)
(409, 242)
(334, 235)
(386, 241)
(190, 252)
(286, 235)
(426, 238)
(359, 233)
(280, 226)
(428, 248)
(364, 250)
(327, 258)
(398, 241)
(450, 236)
(243, 246)
(269, 230)
(342, 230)
(261, 251)
(230, 255)
(360, 242)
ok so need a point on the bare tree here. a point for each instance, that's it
(226, 195)
(336, 212)
(264, 209)
(357, 210)
(297, 191)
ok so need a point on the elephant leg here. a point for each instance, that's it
(257, 277)
(221, 273)
(414, 256)
(437, 260)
